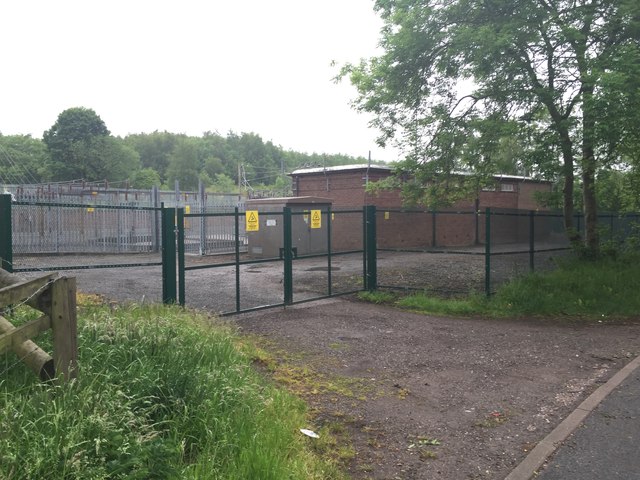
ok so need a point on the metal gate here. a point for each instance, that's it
(281, 258)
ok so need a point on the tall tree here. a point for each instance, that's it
(184, 164)
(69, 141)
(154, 149)
(565, 72)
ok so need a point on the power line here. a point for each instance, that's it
(16, 178)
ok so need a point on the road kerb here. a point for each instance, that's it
(536, 458)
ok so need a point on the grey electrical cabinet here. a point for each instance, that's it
(310, 217)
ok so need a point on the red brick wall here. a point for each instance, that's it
(415, 229)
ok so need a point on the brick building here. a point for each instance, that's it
(455, 226)
(345, 185)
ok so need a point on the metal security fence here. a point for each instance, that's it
(212, 230)
(94, 241)
(457, 252)
(232, 261)
(52, 228)
(102, 193)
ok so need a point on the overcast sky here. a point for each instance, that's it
(191, 66)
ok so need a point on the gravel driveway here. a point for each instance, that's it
(428, 397)
(214, 289)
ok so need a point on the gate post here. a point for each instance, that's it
(288, 256)
(487, 252)
(180, 230)
(236, 223)
(168, 255)
(6, 248)
(532, 240)
(371, 274)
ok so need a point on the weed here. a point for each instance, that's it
(493, 420)
(427, 454)
(377, 297)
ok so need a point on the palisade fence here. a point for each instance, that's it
(101, 193)
(87, 234)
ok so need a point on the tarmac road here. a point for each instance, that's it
(607, 444)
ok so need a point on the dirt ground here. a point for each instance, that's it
(424, 397)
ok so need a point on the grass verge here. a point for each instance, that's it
(602, 289)
(162, 393)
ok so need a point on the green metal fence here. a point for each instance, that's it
(446, 252)
(45, 236)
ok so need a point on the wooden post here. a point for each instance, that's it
(56, 298)
(39, 361)
(64, 326)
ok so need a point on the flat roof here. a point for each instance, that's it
(289, 201)
(340, 168)
(384, 168)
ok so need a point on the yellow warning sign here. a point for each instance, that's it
(91, 209)
(253, 223)
(316, 219)
(386, 215)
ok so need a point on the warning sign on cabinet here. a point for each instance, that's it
(316, 219)
(253, 223)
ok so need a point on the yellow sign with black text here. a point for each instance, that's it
(316, 219)
(253, 221)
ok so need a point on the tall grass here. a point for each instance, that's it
(161, 394)
(585, 288)
(579, 288)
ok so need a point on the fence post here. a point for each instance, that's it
(487, 252)
(168, 255)
(64, 327)
(237, 254)
(6, 248)
(155, 224)
(433, 228)
(181, 287)
(532, 241)
(371, 278)
(203, 209)
(329, 279)
(288, 256)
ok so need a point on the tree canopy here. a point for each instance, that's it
(71, 141)
(561, 78)
(79, 146)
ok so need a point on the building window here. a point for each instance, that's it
(507, 187)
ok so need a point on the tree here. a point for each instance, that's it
(184, 164)
(68, 141)
(145, 178)
(154, 149)
(223, 184)
(22, 159)
(564, 72)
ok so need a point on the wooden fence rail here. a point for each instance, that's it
(55, 297)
